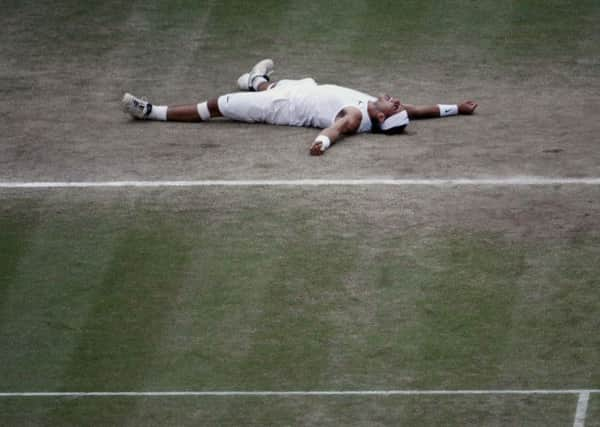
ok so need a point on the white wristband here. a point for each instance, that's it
(325, 142)
(448, 110)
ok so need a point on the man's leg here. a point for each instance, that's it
(141, 109)
(249, 107)
(257, 77)
(266, 85)
(307, 81)
(194, 113)
(258, 80)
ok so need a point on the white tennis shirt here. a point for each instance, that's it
(296, 103)
(318, 105)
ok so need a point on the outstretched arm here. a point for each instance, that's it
(347, 124)
(435, 111)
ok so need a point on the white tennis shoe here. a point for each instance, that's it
(262, 69)
(138, 108)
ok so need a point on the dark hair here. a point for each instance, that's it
(376, 128)
(395, 130)
(375, 125)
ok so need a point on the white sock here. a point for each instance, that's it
(257, 81)
(158, 112)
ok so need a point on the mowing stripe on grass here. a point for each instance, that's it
(307, 393)
(582, 404)
(438, 182)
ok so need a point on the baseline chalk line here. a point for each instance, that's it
(299, 393)
(581, 410)
(437, 182)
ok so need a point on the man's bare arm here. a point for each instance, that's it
(347, 124)
(435, 111)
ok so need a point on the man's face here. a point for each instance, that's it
(388, 105)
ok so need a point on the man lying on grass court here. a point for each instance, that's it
(336, 110)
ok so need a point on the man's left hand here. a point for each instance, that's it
(316, 149)
(467, 107)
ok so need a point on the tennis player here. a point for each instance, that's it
(337, 110)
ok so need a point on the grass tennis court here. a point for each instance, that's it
(299, 288)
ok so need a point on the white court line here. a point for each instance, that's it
(438, 182)
(582, 404)
(299, 393)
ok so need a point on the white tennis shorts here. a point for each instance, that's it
(274, 106)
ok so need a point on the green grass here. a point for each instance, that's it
(329, 411)
(232, 290)
(492, 37)
(198, 291)
(193, 291)
(593, 412)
